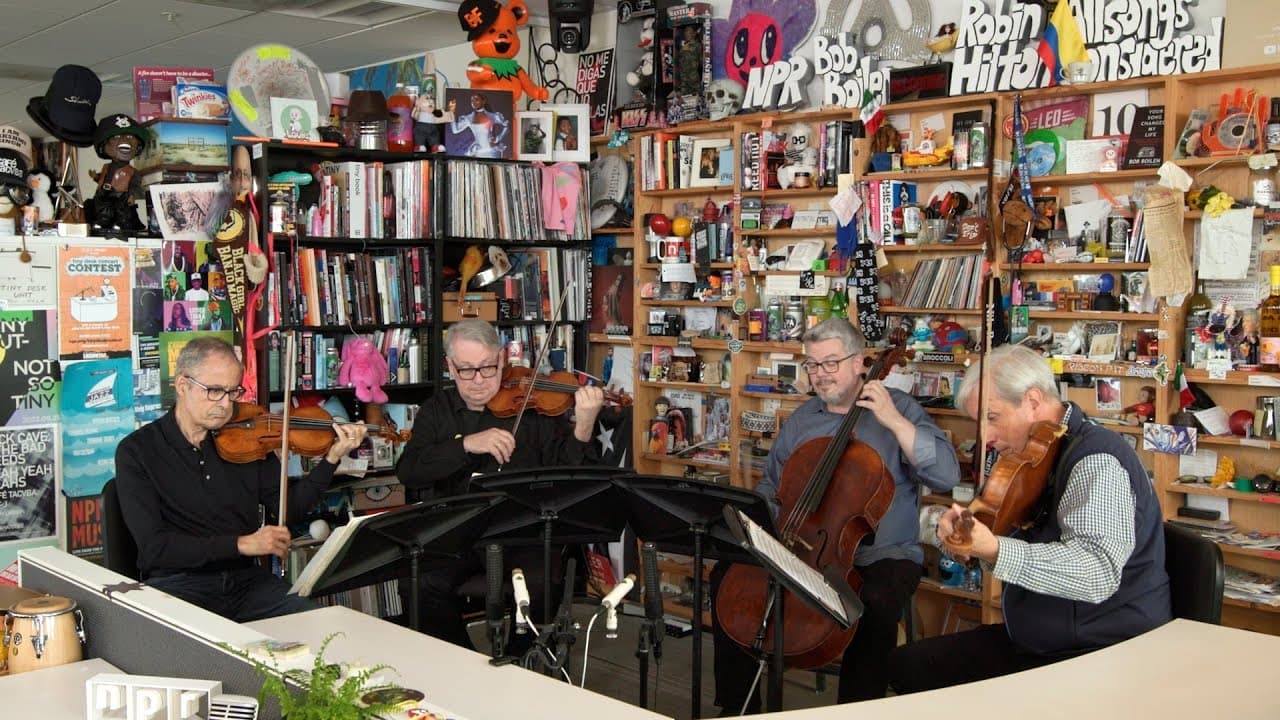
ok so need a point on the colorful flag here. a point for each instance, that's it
(872, 112)
(1061, 44)
(1185, 396)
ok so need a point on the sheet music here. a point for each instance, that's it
(786, 561)
(320, 562)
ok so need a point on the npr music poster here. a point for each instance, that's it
(95, 306)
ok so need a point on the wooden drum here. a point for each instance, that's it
(43, 632)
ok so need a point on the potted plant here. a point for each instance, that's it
(322, 693)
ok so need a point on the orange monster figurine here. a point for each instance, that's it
(491, 28)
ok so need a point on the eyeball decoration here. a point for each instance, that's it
(724, 98)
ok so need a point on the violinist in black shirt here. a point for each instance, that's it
(194, 516)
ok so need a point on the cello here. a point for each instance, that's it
(833, 492)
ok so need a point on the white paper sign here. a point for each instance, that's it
(31, 285)
(1225, 242)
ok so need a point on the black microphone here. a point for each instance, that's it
(653, 596)
(493, 598)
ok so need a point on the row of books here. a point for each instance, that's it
(319, 358)
(506, 201)
(541, 279)
(670, 161)
(377, 287)
(351, 201)
(949, 282)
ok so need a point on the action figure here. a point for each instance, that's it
(119, 139)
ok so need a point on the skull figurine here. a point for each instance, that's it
(724, 98)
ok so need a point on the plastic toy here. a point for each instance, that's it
(491, 27)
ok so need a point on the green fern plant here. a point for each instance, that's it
(324, 695)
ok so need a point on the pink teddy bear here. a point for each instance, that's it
(364, 368)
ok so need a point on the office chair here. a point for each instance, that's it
(119, 551)
(1196, 574)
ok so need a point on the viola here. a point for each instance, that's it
(833, 492)
(253, 432)
(1014, 489)
(547, 394)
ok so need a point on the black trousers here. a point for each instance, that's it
(887, 587)
(978, 654)
(243, 594)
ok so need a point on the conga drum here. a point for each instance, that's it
(42, 632)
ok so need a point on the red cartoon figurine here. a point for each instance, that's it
(491, 28)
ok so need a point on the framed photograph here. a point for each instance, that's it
(294, 119)
(189, 211)
(571, 141)
(1108, 393)
(534, 130)
(481, 126)
(706, 161)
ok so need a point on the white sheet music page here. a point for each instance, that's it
(809, 578)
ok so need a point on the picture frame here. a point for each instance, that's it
(294, 119)
(482, 123)
(706, 161)
(534, 132)
(188, 211)
(571, 139)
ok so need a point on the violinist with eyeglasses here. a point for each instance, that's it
(457, 434)
(195, 515)
(1084, 566)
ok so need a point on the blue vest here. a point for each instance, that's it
(1048, 625)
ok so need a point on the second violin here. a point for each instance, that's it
(547, 394)
(253, 432)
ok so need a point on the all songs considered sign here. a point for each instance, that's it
(28, 471)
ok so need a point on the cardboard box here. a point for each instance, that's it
(186, 142)
(482, 305)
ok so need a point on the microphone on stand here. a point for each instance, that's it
(653, 597)
(521, 592)
(493, 600)
(611, 601)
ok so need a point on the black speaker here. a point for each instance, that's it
(571, 24)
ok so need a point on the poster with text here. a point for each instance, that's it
(84, 525)
(97, 413)
(28, 479)
(28, 285)
(30, 377)
(94, 302)
(171, 343)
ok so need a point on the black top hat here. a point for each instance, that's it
(118, 124)
(66, 111)
(475, 16)
(367, 106)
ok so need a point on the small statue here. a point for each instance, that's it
(119, 139)
(428, 125)
(1144, 409)
(922, 336)
(1247, 347)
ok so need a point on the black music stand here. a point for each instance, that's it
(568, 504)
(687, 516)
(393, 544)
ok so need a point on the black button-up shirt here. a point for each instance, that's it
(434, 463)
(185, 506)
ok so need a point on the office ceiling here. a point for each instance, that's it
(112, 36)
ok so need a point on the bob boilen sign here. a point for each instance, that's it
(996, 42)
(845, 77)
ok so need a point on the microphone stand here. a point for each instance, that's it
(561, 633)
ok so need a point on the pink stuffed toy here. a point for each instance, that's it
(364, 368)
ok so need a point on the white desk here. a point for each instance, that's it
(1181, 670)
(458, 680)
(55, 693)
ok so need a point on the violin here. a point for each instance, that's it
(1013, 490)
(547, 394)
(833, 492)
(253, 432)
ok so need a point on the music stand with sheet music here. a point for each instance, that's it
(827, 592)
(687, 517)
(373, 548)
(566, 504)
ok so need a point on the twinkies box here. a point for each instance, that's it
(201, 101)
(188, 143)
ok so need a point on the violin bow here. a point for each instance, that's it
(542, 355)
(291, 370)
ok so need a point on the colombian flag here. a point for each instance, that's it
(1062, 43)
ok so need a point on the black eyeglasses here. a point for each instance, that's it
(828, 366)
(469, 373)
(215, 394)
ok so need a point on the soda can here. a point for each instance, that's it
(726, 284)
